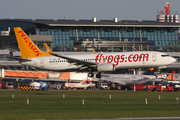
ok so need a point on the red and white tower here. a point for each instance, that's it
(167, 17)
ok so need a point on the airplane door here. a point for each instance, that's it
(42, 62)
(154, 56)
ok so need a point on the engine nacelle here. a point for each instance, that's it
(105, 67)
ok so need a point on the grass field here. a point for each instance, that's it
(97, 104)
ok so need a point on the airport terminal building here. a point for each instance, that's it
(65, 35)
(101, 35)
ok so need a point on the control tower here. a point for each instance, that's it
(166, 17)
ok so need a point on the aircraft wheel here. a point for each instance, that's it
(98, 75)
(90, 74)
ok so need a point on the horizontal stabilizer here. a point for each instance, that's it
(20, 59)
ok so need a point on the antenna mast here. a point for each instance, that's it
(157, 7)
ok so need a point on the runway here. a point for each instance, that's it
(146, 118)
(143, 118)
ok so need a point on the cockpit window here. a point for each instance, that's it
(164, 55)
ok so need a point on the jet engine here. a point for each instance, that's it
(105, 67)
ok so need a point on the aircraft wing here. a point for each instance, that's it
(150, 77)
(120, 83)
(145, 78)
(82, 64)
(73, 61)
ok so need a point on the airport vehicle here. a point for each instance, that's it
(160, 87)
(170, 87)
(95, 62)
(176, 87)
(6, 83)
(32, 85)
(82, 85)
(39, 85)
(164, 87)
(54, 86)
(24, 86)
(150, 87)
(102, 86)
(138, 86)
(114, 86)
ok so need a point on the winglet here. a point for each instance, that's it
(27, 48)
(94, 51)
(48, 49)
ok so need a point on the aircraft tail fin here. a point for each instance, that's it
(27, 48)
(149, 71)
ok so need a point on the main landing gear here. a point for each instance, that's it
(98, 75)
(91, 74)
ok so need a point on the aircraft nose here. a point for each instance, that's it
(173, 59)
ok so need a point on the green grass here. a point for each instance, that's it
(97, 104)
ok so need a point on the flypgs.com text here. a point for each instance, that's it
(121, 58)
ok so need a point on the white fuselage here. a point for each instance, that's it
(121, 60)
(127, 79)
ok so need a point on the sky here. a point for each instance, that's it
(86, 9)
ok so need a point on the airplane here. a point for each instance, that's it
(91, 63)
(127, 79)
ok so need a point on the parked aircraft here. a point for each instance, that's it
(126, 79)
(95, 62)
